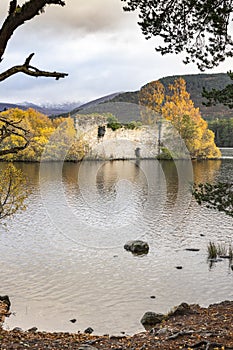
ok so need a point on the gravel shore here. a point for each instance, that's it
(199, 328)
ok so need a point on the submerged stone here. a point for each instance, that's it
(192, 249)
(137, 247)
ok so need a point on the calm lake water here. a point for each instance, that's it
(63, 258)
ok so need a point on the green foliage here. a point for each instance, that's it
(13, 191)
(217, 196)
(165, 154)
(133, 125)
(199, 28)
(112, 119)
(224, 96)
(114, 124)
(223, 130)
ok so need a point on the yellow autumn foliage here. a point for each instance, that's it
(43, 133)
(13, 191)
(178, 108)
(151, 97)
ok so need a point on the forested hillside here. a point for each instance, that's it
(194, 84)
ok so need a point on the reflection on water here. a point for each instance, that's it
(206, 171)
(63, 258)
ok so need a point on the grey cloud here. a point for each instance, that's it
(92, 15)
(87, 15)
(76, 20)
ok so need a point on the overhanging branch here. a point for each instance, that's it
(27, 69)
(18, 15)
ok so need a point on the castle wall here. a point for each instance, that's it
(119, 144)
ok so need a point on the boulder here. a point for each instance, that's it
(4, 308)
(5, 300)
(151, 319)
(17, 329)
(137, 247)
(180, 310)
(33, 330)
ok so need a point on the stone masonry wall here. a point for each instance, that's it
(119, 144)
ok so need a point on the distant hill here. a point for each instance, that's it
(195, 84)
(49, 110)
(89, 106)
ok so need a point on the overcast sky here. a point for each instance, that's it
(96, 42)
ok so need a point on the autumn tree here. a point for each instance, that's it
(12, 182)
(193, 129)
(151, 97)
(17, 16)
(24, 136)
(198, 28)
(14, 137)
(13, 191)
(11, 126)
(178, 108)
(63, 143)
(54, 135)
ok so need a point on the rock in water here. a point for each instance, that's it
(73, 320)
(89, 330)
(137, 247)
(150, 319)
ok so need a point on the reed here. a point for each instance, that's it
(219, 250)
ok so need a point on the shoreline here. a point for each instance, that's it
(193, 328)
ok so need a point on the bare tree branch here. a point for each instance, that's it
(26, 68)
(10, 127)
(13, 150)
(18, 15)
